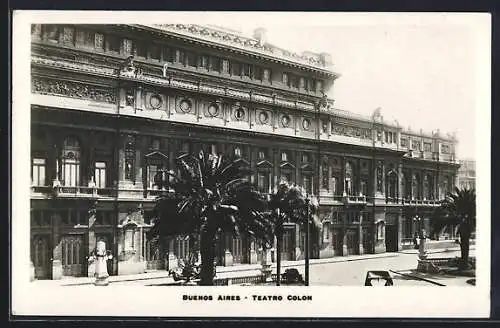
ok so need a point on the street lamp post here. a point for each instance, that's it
(307, 243)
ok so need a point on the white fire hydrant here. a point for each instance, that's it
(101, 267)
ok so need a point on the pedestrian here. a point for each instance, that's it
(415, 241)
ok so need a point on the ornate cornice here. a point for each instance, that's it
(235, 40)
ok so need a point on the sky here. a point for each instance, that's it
(422, 75)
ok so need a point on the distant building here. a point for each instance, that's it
(466, 176)
(113, 104)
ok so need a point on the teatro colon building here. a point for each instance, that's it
(113, 104)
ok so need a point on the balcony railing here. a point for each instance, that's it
(74, 191)
(349, 199)
(151, 192)
(425, 202)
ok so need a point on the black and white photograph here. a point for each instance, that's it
(251, 164)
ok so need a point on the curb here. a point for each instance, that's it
(418, 278)
(246, 269)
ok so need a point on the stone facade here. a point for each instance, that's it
(113, 104)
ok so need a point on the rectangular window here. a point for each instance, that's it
(99, 41)
(204, 62)
(307, 183)
(180, 56)
(190, 59)
(404, 142)
(38, 172)
(52, 33)
(168, 54)
(364, 188)
(284, 78)
(71, 172)
(216, 64)
(235, 68)
(335, 185)
(152, 171)
(246, 70)
(113, 43)
(140, 49)
(427, 146)
(324, 177)
(100, 174)
(263, 181)
(311, 85)
(69, 36)
(155, 52)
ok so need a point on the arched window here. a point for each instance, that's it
(71, 162)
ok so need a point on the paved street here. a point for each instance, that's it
(354, 273)
(341, 271)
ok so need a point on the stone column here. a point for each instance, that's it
(400, 228)
(298, 251)
(56, 251)
(172, 259)
(342, 175)
(276, 170)
(91, 240)
(253, 252)
(298, 174)
(374, 179)
(139, 145)
(410, 173)
(383, 178)
(357, 173)
(121, 158)
(360, 234)
(400, 182)
(344, 240)
(253, 164)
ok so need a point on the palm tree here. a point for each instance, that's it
(459, 209)
(211, 195)
(289, 203)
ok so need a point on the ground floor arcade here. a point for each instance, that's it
(64, 232)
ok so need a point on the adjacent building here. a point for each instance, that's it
(466, 176)
(113, 104)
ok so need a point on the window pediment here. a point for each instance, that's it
(156, 155)
(265, 163)
(242, 160)
(307, 167)
(287, 165)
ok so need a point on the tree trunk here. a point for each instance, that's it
(464, 233)
(278, 256)
(207, 250)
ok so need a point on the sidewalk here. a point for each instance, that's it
(438, 250)
(161, 276)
